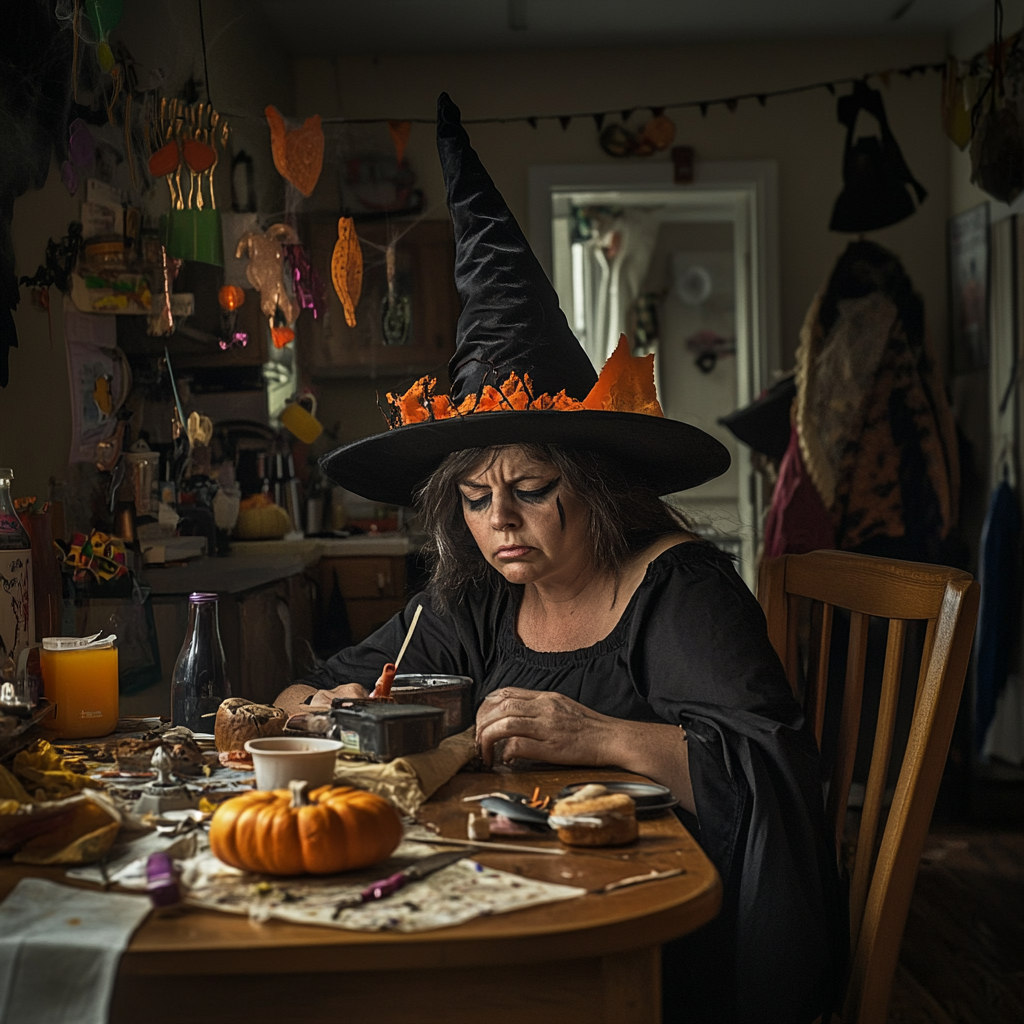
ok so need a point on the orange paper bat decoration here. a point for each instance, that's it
(299, 152)
(347, 268)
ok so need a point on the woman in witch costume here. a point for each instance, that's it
(598, 629)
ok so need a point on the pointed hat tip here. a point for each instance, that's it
(447, 110)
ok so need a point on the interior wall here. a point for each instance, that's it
(246, 73)
(800, 132)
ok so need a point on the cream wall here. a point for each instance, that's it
(800, 132)
(246, 73)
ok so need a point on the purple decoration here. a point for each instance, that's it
(69, 176)
(309, 288)
(81, 144)
(239, 338)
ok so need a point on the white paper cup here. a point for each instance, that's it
(279, 760)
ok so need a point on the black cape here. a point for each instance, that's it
(691, 649)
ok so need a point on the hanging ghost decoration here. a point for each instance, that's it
(265, 272)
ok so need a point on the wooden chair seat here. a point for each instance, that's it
(882, 873)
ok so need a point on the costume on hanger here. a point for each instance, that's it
(876, 434)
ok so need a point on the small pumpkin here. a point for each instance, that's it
(239, 720)
(294, 831)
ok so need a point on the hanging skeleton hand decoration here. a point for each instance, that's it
(266, 274)
(347, 268)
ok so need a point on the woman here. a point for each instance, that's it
(598, 630)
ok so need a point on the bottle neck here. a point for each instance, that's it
(203, 621)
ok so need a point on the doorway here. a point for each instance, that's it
(688, 273)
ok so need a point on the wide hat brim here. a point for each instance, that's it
(664, 454)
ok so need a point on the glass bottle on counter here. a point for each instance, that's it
(200, 681)
(17, 601)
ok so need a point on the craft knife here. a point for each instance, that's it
(387, 886)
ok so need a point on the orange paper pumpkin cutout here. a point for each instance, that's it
(299, 152)
(400, 137)
(347, 268)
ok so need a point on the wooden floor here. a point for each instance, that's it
(962, 960)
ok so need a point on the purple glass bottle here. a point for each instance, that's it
(200, 680)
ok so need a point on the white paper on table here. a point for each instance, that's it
(456, 894)
(59, 951)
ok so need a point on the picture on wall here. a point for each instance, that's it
(969, 277)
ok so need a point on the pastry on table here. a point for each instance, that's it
(594, 817)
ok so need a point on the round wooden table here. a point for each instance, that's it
(588, 960)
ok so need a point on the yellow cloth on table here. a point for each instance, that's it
(408, 781)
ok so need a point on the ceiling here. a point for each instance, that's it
(327, 27)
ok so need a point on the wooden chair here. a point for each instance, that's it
(881, 886)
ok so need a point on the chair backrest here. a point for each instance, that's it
(880, 888)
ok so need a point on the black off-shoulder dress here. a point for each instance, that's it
(690, 649)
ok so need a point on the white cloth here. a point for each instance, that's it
(1005, 739)
(59, 951)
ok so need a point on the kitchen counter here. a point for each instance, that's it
(256, 563)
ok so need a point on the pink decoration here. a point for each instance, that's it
(309, 287)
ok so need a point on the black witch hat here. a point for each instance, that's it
(764, 424)
(518, 376)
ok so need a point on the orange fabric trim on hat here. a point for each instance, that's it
(625, 384)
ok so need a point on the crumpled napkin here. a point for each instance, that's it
(408, 781)
(59, 951)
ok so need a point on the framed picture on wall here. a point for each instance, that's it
(969, 285)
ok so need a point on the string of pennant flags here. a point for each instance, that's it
(657, 110)
(599, 117)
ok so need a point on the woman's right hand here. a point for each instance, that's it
(323, 698)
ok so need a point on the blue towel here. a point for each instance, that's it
(999, 571)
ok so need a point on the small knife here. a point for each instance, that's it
(386, 886)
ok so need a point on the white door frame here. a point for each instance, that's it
(743, 192)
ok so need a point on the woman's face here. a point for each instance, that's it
(525, 523)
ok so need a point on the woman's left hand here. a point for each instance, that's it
(541, 726)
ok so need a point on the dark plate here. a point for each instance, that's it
(651, 799)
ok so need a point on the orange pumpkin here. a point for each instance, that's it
(294, 831)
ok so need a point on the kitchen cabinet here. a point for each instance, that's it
(424, 273)
(373, 588)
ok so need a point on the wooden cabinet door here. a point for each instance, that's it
(425, 263)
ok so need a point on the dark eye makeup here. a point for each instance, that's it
(531, 497)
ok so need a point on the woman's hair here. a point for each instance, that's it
(623, 516)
